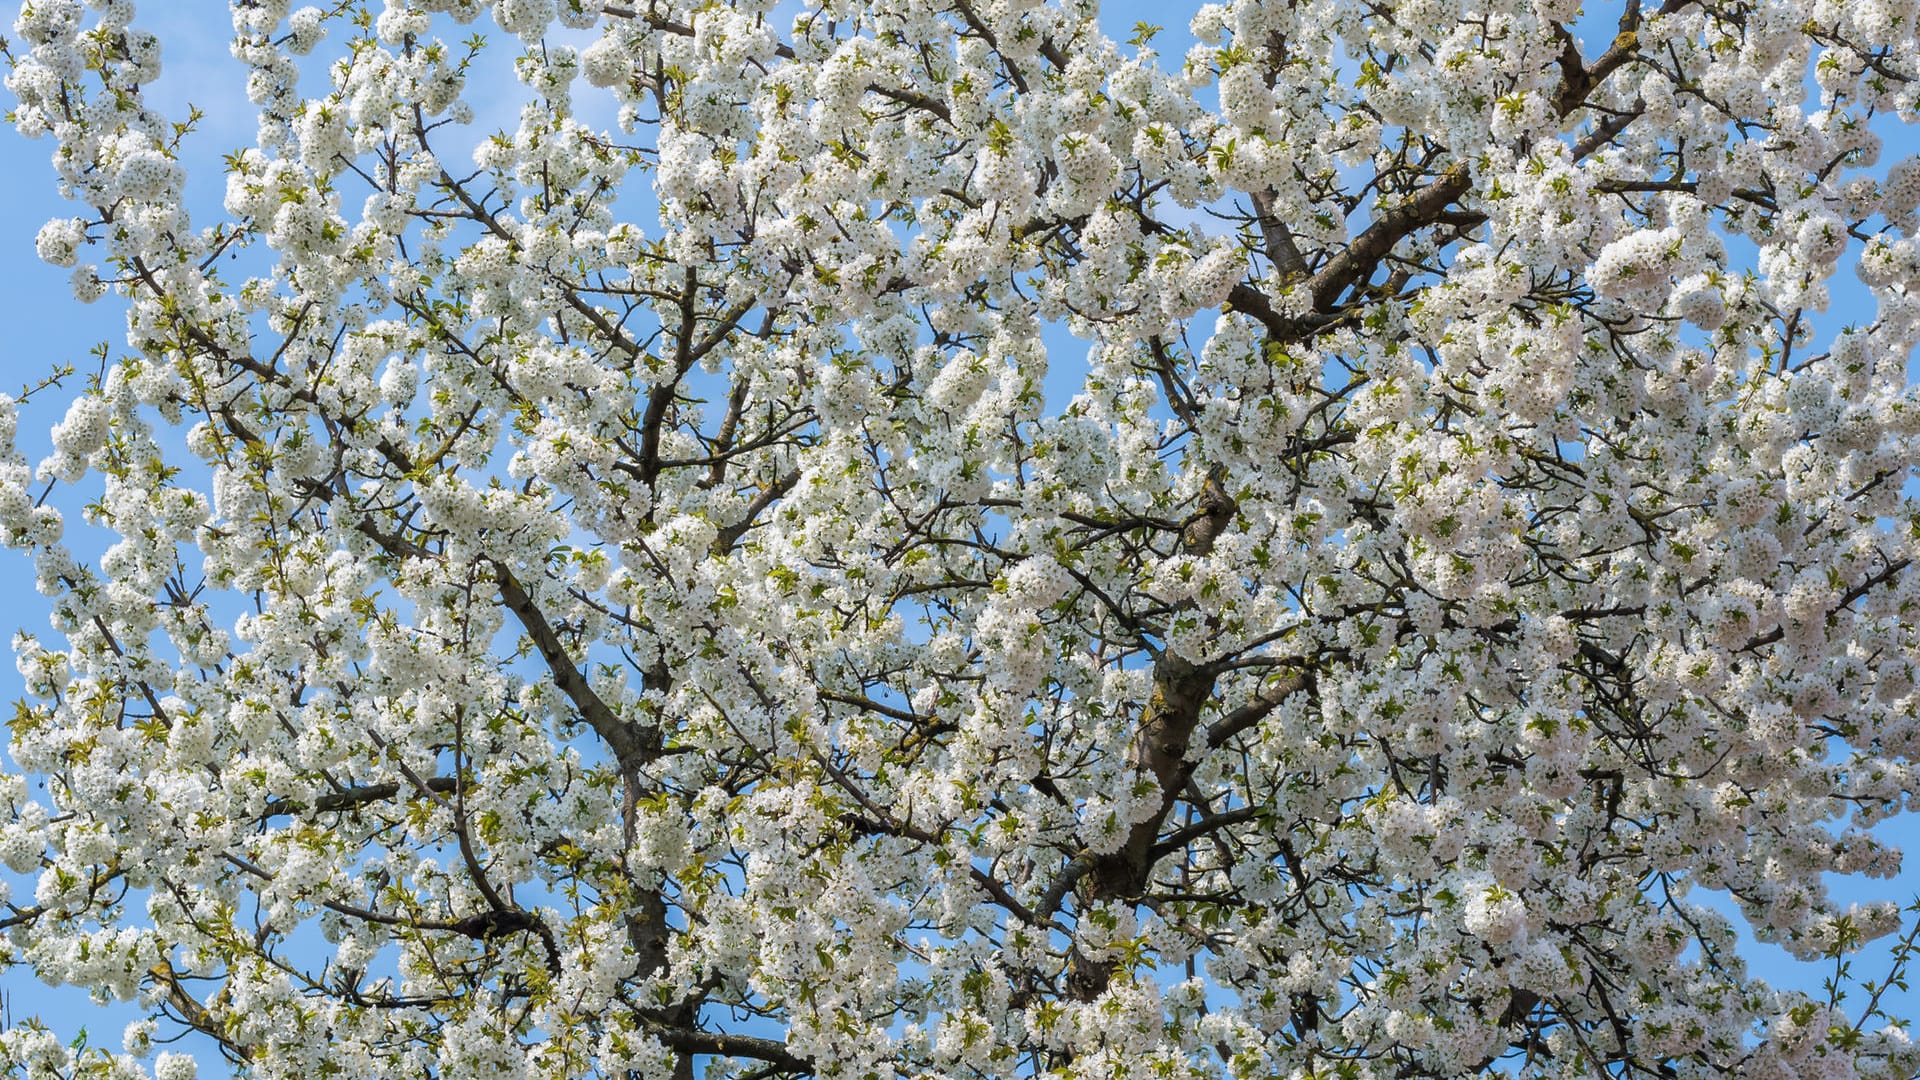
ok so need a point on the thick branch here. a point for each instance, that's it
(1264, 702)
(196, 1015)
(628, 748)
(354, 798)
(693, 1041)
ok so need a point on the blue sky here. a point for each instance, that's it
(50, 328)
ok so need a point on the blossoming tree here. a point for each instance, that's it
(1466, 578)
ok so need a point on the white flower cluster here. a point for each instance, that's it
(60, 239)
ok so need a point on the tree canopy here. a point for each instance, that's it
(653, 598)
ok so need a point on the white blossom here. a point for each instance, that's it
(896, 539)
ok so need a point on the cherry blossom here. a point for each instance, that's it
(1459, 578)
